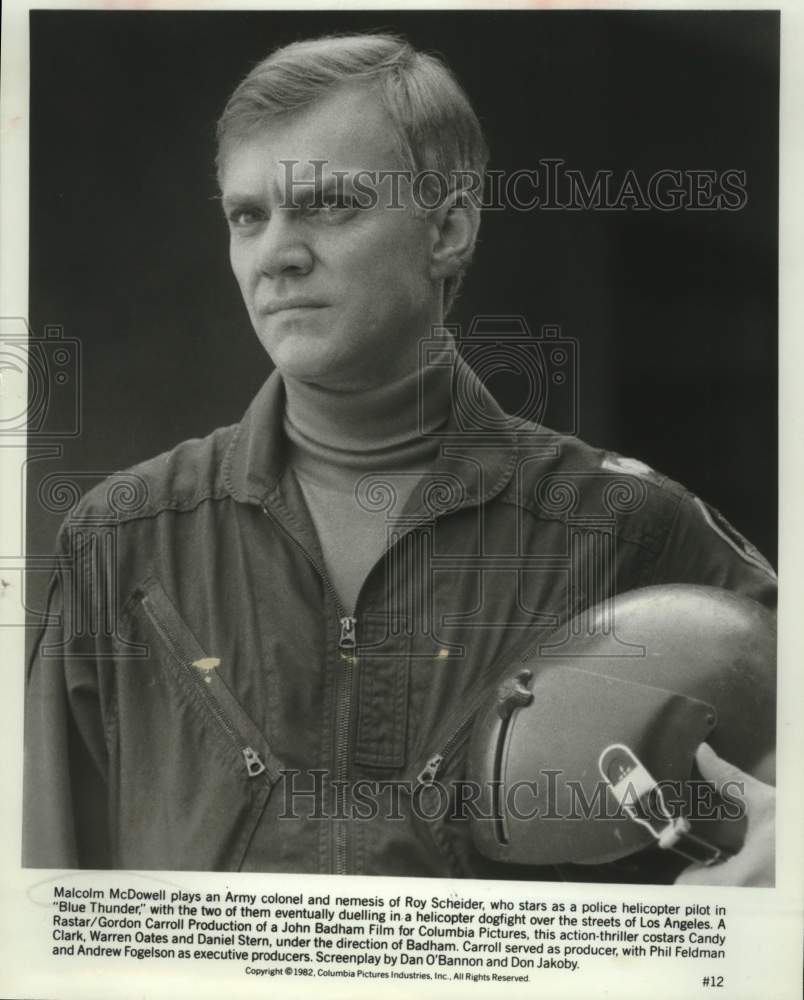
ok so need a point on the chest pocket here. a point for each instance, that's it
(195, 771)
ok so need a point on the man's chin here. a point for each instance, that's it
(302, 356)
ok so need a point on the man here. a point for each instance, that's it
(313, 603)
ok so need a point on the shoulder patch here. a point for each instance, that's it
(631, 467)
(731, 536)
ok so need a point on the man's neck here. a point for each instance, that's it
(383, 425)
(338, 439)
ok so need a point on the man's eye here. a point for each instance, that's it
(242, 218)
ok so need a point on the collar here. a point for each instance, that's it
(361, 429)
(472, 467)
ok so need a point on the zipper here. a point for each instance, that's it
(254, 765)
(426, 778)
(347, 643)
(348, 636)
(433, 767)
(434, 763)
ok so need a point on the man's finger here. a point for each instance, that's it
(719, 771)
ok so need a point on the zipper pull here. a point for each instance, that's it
(428, 773)
(254, 765)
(348, 637)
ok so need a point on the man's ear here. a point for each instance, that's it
(455, 225)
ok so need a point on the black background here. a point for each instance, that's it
(674, 313)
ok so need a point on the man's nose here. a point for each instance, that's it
(282, 248)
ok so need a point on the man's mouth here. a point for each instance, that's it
(285, 305)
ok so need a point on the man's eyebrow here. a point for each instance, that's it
(234, 199)
(303, 192)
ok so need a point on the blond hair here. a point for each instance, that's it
(435, 126)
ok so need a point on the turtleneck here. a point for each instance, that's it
(385, 434)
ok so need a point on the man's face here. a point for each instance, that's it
(339, 295)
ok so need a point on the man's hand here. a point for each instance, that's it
(754, 863)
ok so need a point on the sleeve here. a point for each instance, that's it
(702, 547)
(65, 760)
